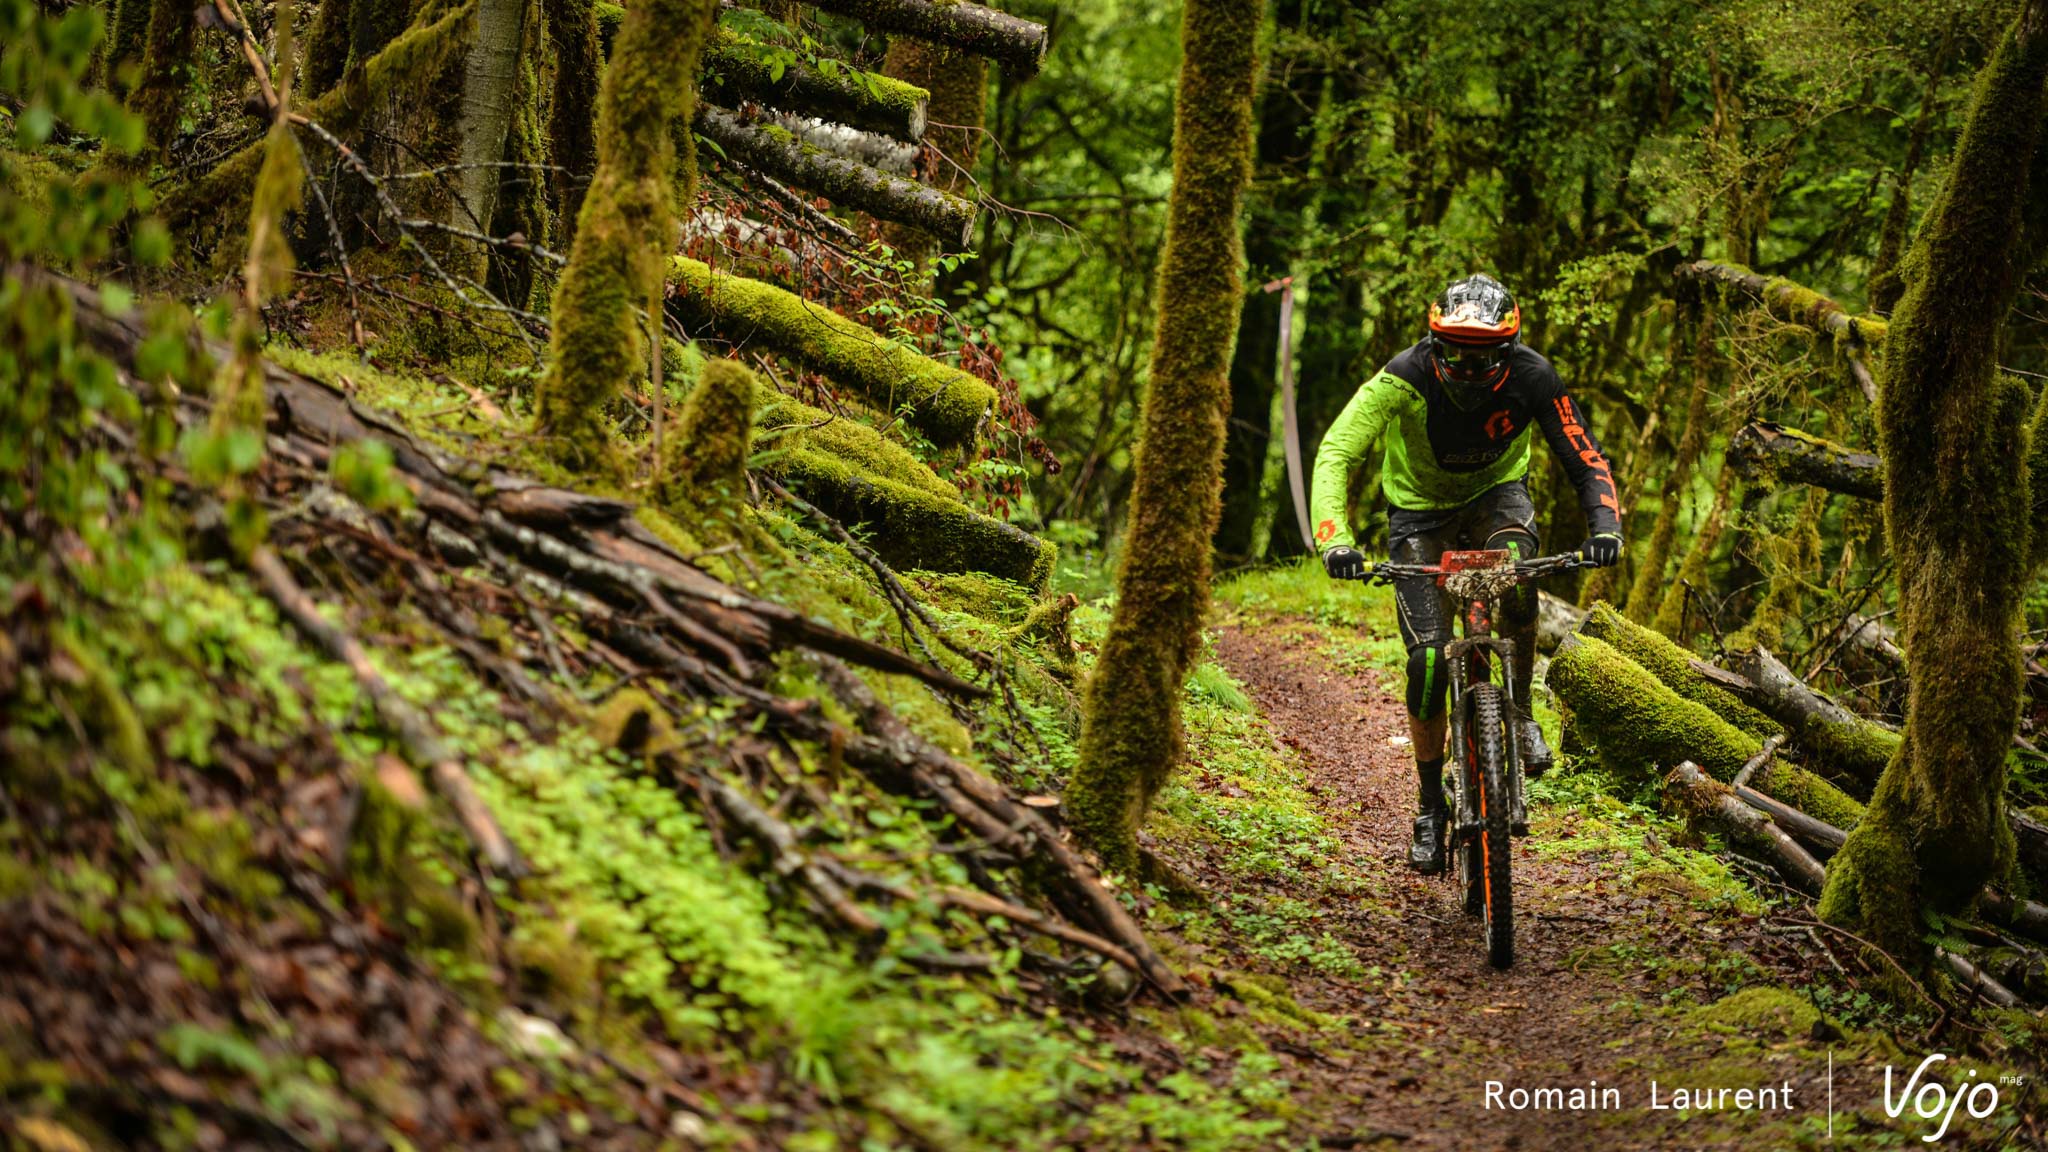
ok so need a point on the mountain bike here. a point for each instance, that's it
(1485, 787)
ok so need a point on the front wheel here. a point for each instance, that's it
(1484, 865)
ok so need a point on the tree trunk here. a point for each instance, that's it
(1936, 830)
(1645, 593)
(1017, 45)
(626, 228)
(490, 95)
(1273, 222)
(572, 115)
(1131, 734)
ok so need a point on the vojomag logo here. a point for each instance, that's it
(1931, 1099)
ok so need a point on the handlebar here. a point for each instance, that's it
(1386, 572)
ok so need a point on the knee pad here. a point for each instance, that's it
(1429, 681)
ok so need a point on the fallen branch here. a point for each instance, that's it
(900, 760)
(1716, 804)
(1827, 732)
(1787, 301)
(1757, 761)
(421, 744)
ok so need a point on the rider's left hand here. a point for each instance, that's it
(1604, 550)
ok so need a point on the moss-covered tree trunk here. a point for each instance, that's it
(626, 227)
(1936, 831)
(1131, 734)
(1645, 592)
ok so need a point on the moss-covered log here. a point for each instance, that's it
(1635, 721)
(847, 183)
(1787, 301)
(1772, 453)
(1825, 731)
(913, 519)
(1018, 45)
(914, 528)
(938, 399)
(1131, 734)
(1936, 831)
(734, 73)
(626, 228)
(1673, 665)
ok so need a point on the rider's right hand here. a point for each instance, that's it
(1344, 563)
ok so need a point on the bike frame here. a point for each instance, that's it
(1471, 661)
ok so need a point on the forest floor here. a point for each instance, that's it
(1640, 960)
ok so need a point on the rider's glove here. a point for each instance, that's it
(1344, 563)
(1603, 550)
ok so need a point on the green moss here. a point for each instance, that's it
(326, 48)
(1692, 571)
(1636, 722)
(714, 435)
(737, 71)
(1672, 665)
(390, 855)
(104, 708)
(624, 228)
(789, 423)
(941, 401)
(1131, 737)
(1777, 1013)
(167, 71)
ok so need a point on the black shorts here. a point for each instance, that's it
(1500, 517)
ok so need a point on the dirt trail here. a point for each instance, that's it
(1567, 1014)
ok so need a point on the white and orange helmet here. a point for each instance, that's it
(1473, 327)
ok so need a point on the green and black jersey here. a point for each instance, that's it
(1440, 456)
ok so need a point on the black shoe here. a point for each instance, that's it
(1536, 758)
(1426, 851)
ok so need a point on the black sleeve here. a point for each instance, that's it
(1571, 439)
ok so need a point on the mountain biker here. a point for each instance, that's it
(1456, 409)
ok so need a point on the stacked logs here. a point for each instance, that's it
(1757, 755)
